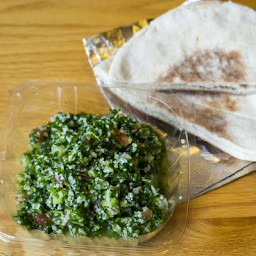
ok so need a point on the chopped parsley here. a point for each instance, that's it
(92, 175)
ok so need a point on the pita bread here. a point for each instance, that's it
(102, 71)
(198, 44)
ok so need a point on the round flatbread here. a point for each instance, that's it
(201, 42)
(206, 43)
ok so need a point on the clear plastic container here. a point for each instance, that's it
(31, 105)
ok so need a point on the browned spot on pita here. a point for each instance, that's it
(211, 66)
(210, 119)
(212, 99)
(221, 101)
(217, 100)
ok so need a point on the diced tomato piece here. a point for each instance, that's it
(40, 218)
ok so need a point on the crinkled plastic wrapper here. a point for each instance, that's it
(210, 167)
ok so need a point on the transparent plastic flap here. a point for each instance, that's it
(33, 104)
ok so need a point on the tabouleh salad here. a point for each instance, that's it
(92, 175)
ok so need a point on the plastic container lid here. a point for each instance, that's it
(31, 105)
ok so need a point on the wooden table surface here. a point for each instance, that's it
(41, 39)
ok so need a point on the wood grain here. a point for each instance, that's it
(41, 39)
